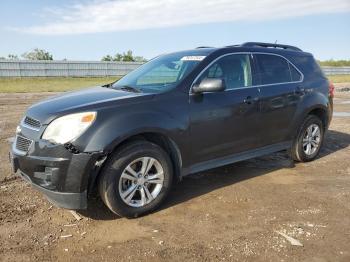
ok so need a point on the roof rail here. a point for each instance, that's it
(233, 45)
(258, 44)
(199, 47)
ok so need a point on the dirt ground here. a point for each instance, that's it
(231, 213)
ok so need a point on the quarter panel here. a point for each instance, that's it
(310, 101)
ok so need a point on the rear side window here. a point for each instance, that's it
(296, 76)
(274, 69)
(234, 69)
(308, 66)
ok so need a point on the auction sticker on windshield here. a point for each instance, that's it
(192, 58)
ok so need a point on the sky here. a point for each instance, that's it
(90, 29)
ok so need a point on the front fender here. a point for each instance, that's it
(115, 130)
(165, 114)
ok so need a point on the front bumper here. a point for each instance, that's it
(61, 199)
(62, 176)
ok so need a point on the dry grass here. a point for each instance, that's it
(60, 84)
(339, 78)
(52, 84)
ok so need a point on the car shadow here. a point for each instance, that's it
(202, 183)
(334, 141)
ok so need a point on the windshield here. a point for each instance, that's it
(160, 74)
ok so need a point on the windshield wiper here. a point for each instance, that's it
(108, 85)
(130, 89)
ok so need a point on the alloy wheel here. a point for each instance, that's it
(141, 181)
(311, 139)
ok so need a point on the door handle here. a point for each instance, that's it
(300, 90)
(250, 100)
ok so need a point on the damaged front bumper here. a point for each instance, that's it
(61, 174)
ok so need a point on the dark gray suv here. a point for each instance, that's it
(178, 114)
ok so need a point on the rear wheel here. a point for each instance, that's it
(136, 179)
(309, 139)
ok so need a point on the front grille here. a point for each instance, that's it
(23, 144)
(31, 122)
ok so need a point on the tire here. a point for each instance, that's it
(126, 163)
(300, 152)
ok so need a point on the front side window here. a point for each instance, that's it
(274, 69)
(235, 70)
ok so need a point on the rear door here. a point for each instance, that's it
(280, 93)
(224, 123)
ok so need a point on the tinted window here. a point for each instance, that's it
(273, 69)
(296, 76)
(308, 66)
(235, 70)
(215, 71)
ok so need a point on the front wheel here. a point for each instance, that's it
(136, 179)
(309, 139)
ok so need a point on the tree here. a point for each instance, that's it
(118, 57)
(9, 57)
(107, 58)
(37, 54)
(12, 57)
(140, 59)
(125, 57)
(128, 57)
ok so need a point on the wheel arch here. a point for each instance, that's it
(314, 103)
(321, 113)
(158, 138)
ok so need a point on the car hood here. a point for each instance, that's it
(89, 99)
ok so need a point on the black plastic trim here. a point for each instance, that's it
(237, 157)
(61, 199)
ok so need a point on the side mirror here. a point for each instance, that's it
(209, 85)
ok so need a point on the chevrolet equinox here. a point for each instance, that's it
(177, 114)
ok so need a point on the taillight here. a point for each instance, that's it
(331, 89)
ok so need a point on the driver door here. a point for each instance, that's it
(225, 123)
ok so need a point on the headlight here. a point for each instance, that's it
(66, 128)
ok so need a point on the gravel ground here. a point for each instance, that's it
(233, 213)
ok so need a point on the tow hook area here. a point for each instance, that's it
(94, 174)
(102, 156)
(100, 161)
(71, 148)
